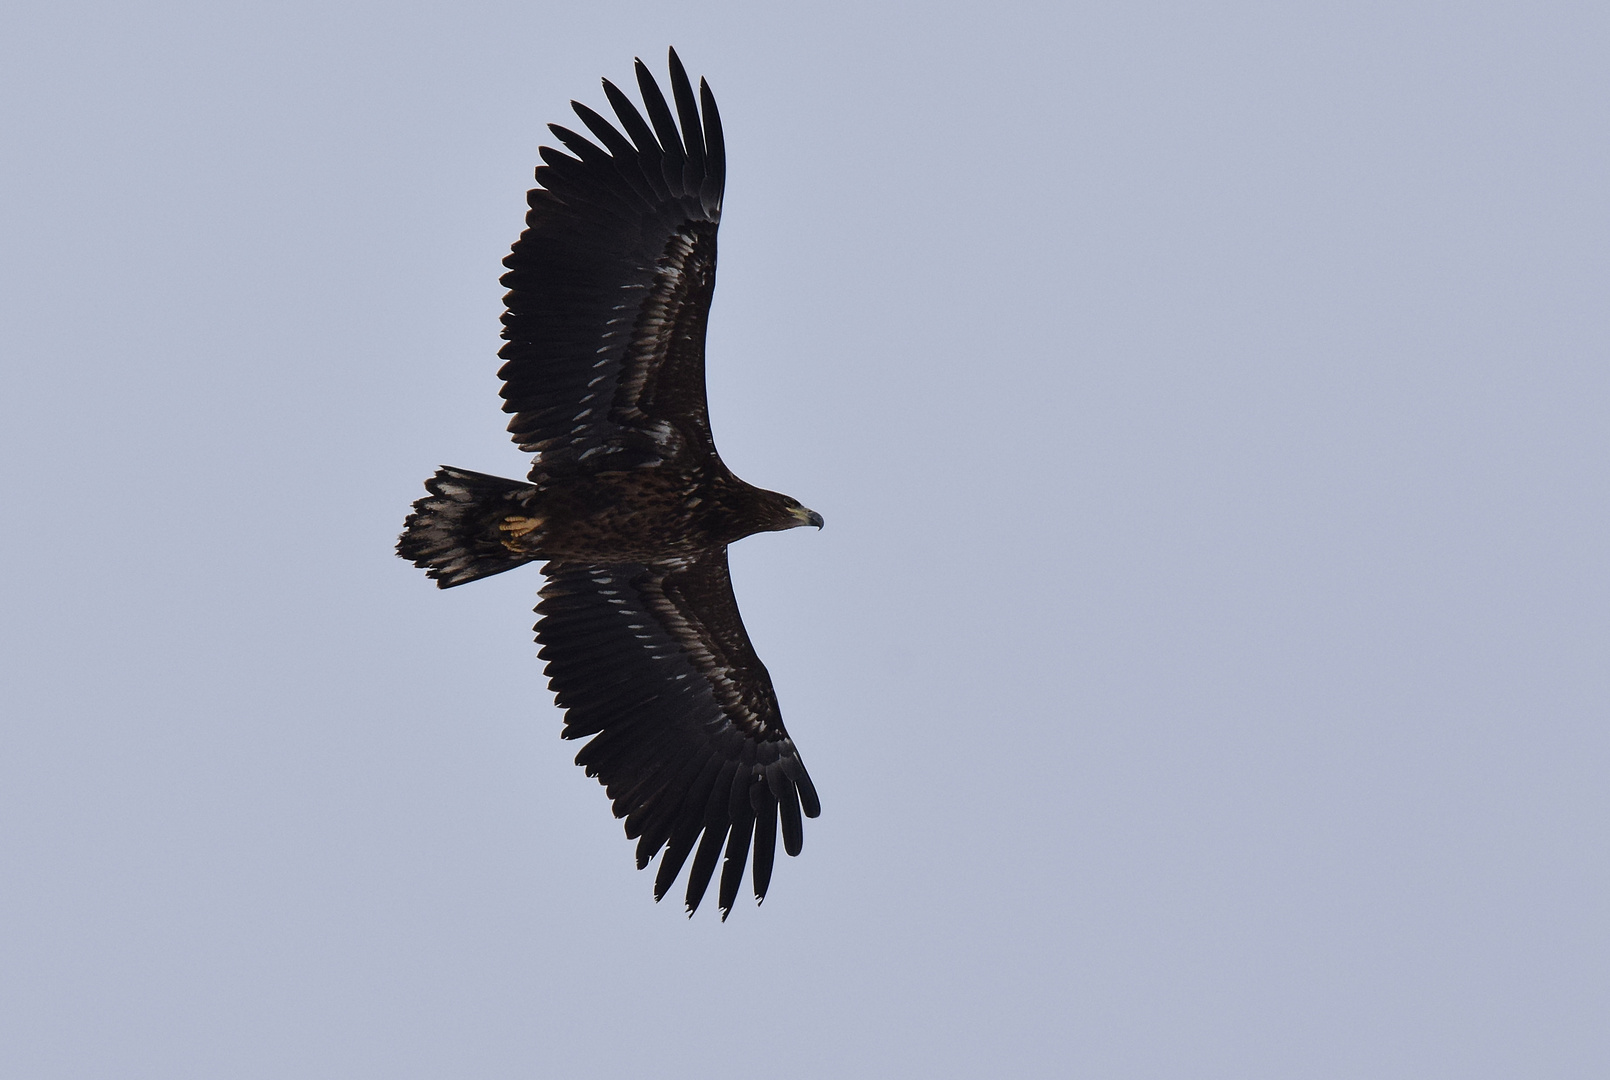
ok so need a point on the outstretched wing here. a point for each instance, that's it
(610, 285)
(652, 661)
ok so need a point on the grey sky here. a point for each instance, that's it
(1204, 667)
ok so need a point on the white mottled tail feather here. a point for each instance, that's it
(452, 533)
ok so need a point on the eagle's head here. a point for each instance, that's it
(772, 511)
(787, 513)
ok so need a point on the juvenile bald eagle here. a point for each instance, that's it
(628, 505)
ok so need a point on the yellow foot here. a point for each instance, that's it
(517, 527)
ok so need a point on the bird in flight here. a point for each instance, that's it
(627, 505)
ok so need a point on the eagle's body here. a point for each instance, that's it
(628, 504)
(643, 514)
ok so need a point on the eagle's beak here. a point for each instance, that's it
(808, 517)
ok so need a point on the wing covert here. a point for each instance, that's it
(652, 661)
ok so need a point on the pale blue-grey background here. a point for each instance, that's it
(1205, 666)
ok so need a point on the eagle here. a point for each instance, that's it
(628, 506)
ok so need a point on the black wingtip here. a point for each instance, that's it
(687, 111)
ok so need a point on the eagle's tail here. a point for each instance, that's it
(453, 532)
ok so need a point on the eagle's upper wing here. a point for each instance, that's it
(610, 284)
(653, 661)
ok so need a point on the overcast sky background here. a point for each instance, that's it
(1204, 667)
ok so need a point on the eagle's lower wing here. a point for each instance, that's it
(610, 285)
(652, 660)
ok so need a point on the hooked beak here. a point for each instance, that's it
(808, 517)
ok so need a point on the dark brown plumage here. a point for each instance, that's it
(628, 504)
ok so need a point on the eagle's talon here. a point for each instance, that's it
(517, 527)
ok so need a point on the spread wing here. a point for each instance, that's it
(652, 661)
(610, 285)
